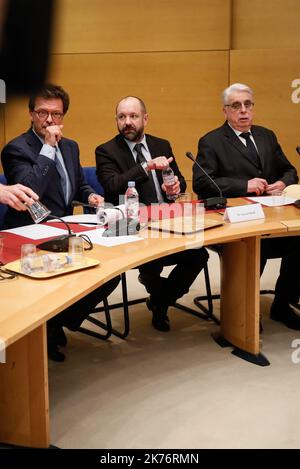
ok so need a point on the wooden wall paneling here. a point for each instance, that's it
(2, 130)
(148, 25)
(181, 91)
(263, 24)
(17, 119)
(271, 74)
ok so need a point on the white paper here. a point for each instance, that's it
(103, 217)
(244, 213)
(269, 201)
(109, 241)
(37, 231)
(84, 218)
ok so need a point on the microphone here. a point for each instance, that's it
(76, 203)
(59, 243)
(213, 203)
(298, 150)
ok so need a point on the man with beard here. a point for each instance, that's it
(246, 159)
(135, 156)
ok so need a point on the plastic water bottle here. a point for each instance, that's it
(132, 208)
(169, 179)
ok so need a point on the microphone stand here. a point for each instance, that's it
(59, 243)
(213, 203)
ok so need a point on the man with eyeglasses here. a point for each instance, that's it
(48, 163)
(45, 161)
(244, 160)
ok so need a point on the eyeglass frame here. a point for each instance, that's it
(237, 105)
(52, 114)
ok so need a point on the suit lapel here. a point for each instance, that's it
(233, 139)
(33, 142)
(125, 153)
(259, 141)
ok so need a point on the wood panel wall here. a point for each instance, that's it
(178, 57)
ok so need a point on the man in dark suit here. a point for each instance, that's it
(244, 160)
(48, 163)
(134, 156)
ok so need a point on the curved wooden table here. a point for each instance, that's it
(27, 304)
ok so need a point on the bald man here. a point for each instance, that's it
(135, 156)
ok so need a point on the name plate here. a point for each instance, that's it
(244, 213)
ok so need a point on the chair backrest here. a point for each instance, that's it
(3, 207)
(91, 178)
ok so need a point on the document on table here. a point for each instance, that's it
(37, 231)
(271, 201)
(97, 238)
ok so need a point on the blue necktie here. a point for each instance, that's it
(62, 175)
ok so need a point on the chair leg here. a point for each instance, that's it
(107, 327)
(209, 297)
(123, 334)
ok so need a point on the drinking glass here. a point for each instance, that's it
(76, 251)
(28, 255)
(278, 198)
(38, 211)
(184, 197)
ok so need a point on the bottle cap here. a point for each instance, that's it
(131, 183)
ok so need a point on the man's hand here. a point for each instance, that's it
(257, 185)
(95, 200)
(53, 134)
(173, 189)
(15, 196)
(160, 162)
(276, 186)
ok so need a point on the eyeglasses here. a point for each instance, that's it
(237, 105)
(56, 116)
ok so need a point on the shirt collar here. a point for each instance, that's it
(40, 139)
(238, 132)
(133, 144)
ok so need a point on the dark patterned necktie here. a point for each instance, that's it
(251, 148)
(62, 175)
(147, 189)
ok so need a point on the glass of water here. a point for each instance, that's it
(38, 211)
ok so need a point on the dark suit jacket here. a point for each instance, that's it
(226, 160)
(23, 164)
(116, 166)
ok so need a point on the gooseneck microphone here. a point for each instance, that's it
(59, 243)
(213, 203)
(76, 203)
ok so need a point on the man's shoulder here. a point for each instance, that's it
(156, 140)
(218, 132)
(19, 140)
(261, 129)
(115, 141)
